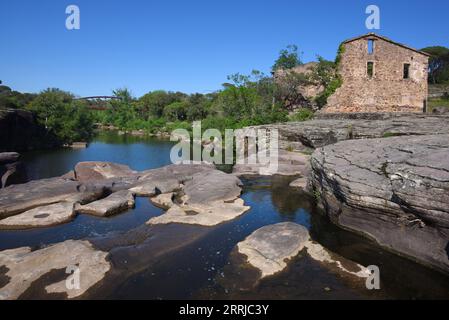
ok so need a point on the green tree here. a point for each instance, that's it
(438, 64)
(153, 103)
(288, 58)
(67, 118)
(177, 111)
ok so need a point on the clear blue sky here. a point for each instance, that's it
(189, 45)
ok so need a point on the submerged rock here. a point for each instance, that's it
(25, 267)
(300, 183)
(269, 251)
(43, 216)
(394, 190)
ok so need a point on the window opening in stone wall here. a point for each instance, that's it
(406, 71)
(370, 46)
(370, 69)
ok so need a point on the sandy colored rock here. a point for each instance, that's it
(321, 254)
(163, 200)
(96, 170)
(208, 198)
(116, 202)
(22, 197)
(268, 248)
(300, 183)
(210, 214)
(26, 266)
(44, 216)
(151, 187)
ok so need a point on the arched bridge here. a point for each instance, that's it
(98, 102)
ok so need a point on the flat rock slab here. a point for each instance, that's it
(25, 266)
(394, 190)
(44, 216)
(210, 214)
(114, 203)
(208, 199)
(268, 248)
(22, 197)
(211, 186)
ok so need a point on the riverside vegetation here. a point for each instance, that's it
(244, 100)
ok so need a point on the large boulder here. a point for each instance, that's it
(96, 170)
(394, 190)
(12, 171)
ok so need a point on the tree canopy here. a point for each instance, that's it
(438, 64)
(288, 58)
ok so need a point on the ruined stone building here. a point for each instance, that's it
(380, 75)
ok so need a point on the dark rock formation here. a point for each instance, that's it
(394, 190)
(11, 170)
(19, 131)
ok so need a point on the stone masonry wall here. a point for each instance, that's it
(386, 90)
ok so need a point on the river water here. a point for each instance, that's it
(201, 270)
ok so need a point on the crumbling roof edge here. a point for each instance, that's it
(372, 34)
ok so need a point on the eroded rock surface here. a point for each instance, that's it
(208, 198)
(22, 197)
(95, 170)
(325, 131)
(268, 248)
(103, 189)
(115, 203)
(26, 266)
(394, 190)
(43, 216)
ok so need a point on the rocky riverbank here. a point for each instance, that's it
(382, 175)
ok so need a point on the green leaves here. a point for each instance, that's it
(68, 119)
(288, 59)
